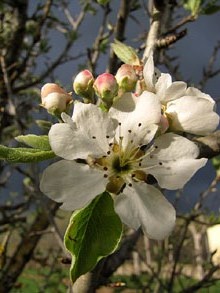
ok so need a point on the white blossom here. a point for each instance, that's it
(187, 109)
(117, 152)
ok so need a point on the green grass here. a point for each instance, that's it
(142, 281)
(42, 280)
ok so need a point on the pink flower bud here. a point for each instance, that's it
(54, 98)
(83, 84)
(126, 78)
(106, 87)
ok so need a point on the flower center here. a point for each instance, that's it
(122, 163)
(119, 166)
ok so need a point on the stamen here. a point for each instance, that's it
(139, 124)
(93, 137)
(105, 175)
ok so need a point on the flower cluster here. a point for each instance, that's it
(131, 149)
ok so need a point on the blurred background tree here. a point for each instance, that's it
(50, 41)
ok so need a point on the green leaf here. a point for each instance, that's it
(35, 141)
(193, 5)
(24, 155)
(216, 164)
(103, 2)
(44, 124)
(210, 9)
(125, 53)
(93, 232)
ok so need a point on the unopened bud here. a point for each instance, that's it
(126, 78)
(54, 98)
(83, 84)
(106, 87)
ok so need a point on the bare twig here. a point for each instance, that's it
(178, 253)
(120, 26)
(94, 52)
(10, 105)
(209, 72)
(205, 193)
(24, 250)
(156, 16)
(207, 279)
(185, 20)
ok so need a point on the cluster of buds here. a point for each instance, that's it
(106, 86)
(55, 99)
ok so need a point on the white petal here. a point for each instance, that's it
(144, 205)
(72, 184)
(67, 119)
(173, 161)
(192, 91)
(148, 73)
(88, 134)
(137, 116)
(174, 91)
(193, 115)
(164, 81)
(92, 121)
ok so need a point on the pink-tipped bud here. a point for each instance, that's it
(83, 84)
(54, 98)
(106, 87)
(126, 78)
